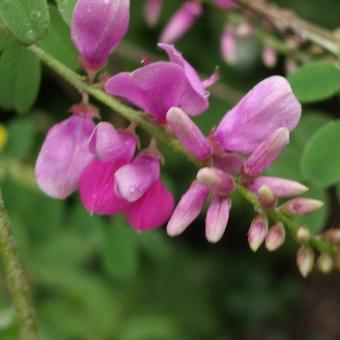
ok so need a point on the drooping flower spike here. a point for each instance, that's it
(159, 86)
(98, 26)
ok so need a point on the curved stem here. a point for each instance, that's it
(16, 279)
(160, 134)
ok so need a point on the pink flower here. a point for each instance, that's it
(152, 11)
(225, 4)
(64, 155)
(181, 21)
(159, 86)
(98, 26)
(228, 44)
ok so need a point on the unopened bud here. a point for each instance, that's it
(216, 180)
(301, 206)
(275, 237)
(332, 235)
(257, 232)
(269, 56)
(267, 197)
(325, 263)
(305, 260)
(303, 234)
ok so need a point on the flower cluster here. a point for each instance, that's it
(112, 177)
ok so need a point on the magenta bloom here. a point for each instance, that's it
(64, 155)
(98, 26)
(157, 87)
(270, 105)
(181, 21)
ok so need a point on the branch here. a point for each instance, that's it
(164, 137)
(16, 279)
(285, 19)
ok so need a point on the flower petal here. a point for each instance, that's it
(152, 11)
(153, 209)
(270, 105)
(97, 189)
(98, 26)
(63, 156)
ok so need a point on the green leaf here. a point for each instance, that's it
(20, 75)
(315, 81)
(5, 40)
(120, 252)
(320, 162)
(66, 9)
(27, 20)
(58, 42)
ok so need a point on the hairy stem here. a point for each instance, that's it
(160, 134)
(16, 279)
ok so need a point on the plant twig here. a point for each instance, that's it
(160, 134)
(16, 279)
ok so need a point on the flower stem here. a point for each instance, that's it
(160, 134)
(16, 279)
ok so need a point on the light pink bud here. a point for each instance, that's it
(269, 56)
(134, 179)
(244, 30)
(228, 44)
(325, 263)
(112, 145)
(225, 4)
(257, 232)
(301, 206)
(291, 66)
(303, 234)
(281, 187)
(181, 21)
(305, 260)
(275, 237)
(98, 26)
(216, 180)
(189, 135)
(188, 208)
(64, 155)
(266, 197)
(152, 11)
(266, 153)
(217, 218)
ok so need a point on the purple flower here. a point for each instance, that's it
(98, 26)
(181, 21)
(64, 155)
(270, 105)
(158, 86)
(152, 11)
(228, 44)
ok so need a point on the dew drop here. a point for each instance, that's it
(36, 15)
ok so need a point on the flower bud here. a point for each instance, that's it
(269, 56)
(98, 26)
(266, 153)
(188, 208)
(332, 235)
(228, 44)
(152, 11)
(188, 134)
(217, 218)
(181, 21)
(225, 4)
(275, 237)
(216, 180)
(301, 206)
(257, 232)
(325, 263)
(134, 179)
(305, 260)
(303, 234)
(266, 197)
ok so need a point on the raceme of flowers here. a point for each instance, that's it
(114, 177)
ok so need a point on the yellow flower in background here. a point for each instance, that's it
(3, 136)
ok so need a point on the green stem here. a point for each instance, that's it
(16, 279)
(160, 134)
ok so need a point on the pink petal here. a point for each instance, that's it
(63, 156)
(152, 11)
(225, 4)
(270, 105)
(134, 179)
(228, 44)
(97, 189)
(217, 218)
(98, 26)
(153, 209)
(181, 21)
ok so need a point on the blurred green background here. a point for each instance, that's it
(94, 278)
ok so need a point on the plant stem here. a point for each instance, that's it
(160, 134)
(16, 279)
